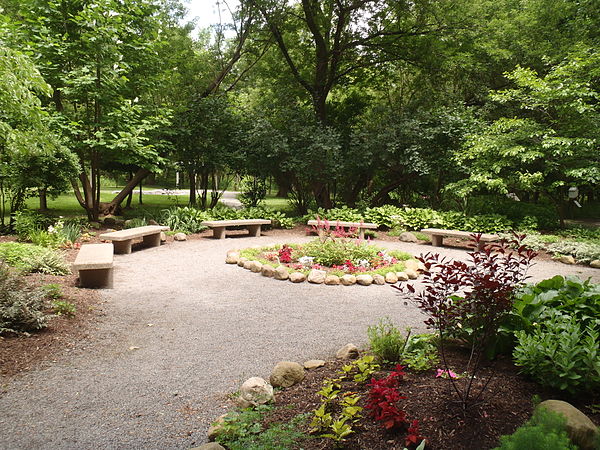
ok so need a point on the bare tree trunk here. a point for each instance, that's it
(192, 176)
(43, 200)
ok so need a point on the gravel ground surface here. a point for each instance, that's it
(181, 330)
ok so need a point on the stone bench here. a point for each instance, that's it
(361, 226)
(219, 226)
(95, 265)
(437, 236)
(123, 239)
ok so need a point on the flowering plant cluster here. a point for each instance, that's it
(383, 406)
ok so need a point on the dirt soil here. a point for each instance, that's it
(507, 404)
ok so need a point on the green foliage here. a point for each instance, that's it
(21, 308)
(386, 341)
(243, 431)
(489, 223)
(336, 252)
(584, 252)
(137, 222)
(343, 214)
(580, 233)
(27, 222)
(185, 219)
(420, 352)
(64, 308)
(545, 430)
(384, 216)
(254, 191)
(561, 353)
(52, 291)
(361, 369)
(31, 258)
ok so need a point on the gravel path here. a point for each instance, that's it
(181, 330)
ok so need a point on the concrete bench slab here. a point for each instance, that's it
(123, 239)
(361, 226)
(95, 265)
(437, 236)
(252, 225)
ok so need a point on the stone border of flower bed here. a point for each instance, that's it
(316, 276)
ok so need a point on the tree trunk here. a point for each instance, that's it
(192, 176)
(43, 200)
(115, 203)
(140, 195)
(130, 196)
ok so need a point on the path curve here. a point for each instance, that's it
(181, 330)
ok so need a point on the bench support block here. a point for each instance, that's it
(122, 247)
(253, 230)
(96, 278)
(152, 240)
(219, 232)
(436, 240)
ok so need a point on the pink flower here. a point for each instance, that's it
(445, 373)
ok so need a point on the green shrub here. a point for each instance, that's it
(386, 341)
(44, 238)
(185, 219)
(243, 430)
(71, 231)
(581, 251)
(26, 222)
(52, 291)
(254, 191)
(136, 222)
(561, 354)
(21, 308)
(420, 352)
(63, 308)
(419, 218)
(32, 258)
(544, 431)
(577, 232)
(343, 214)
(488, 223)
(384, 216)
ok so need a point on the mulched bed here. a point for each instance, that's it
(507, 405)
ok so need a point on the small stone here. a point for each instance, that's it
(216, 427)
(365, 280)
(255, 266)
(152, 222)
(286, 374)
(566, 259)
(378, 279)
(256, 391)
(242, 261)
(163, 236)
(348, 280)
(595, 264)
(579, 427)
(209, 446)
(232, 257)
(127, 223)
(408, 237)
(268, 271)
(391, 277)
(180, 237)
(402, 276)
(297, 277)
(314, 364)
(412, 274)
(133, 348)
(281, 273)
(95, 225)
(332, 280)
(316, 276)
(348, 351)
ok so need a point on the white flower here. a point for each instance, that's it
(362, 263)
(51, 229)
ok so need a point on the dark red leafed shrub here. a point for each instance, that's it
(285, 254)
(383, 399)
(413, 438)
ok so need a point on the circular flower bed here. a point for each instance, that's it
(330, 261)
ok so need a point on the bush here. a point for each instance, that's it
(581, 251)
(63, 308)
(254, 191)
(384, 216)
(488, 223)
(185, 219)
(26, 222)
(136, 222)
(32, 258)
(343, 214)
(545, 430)
(386, 341)
(21, 308)
(52, 291)
(561, 354)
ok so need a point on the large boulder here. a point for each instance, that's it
(566, 259)
(365, 280)
(411, 264)
(316, 276)
(281, 273)
(286, 374)
(332, 280)
(408, 237)
(255, 391)
(402, 276)
(348, 280)
(268, 271)
(391, 277)
(348, 351)
(595, 264)
(297, 277)
(378, 279)
(232, 257)
(580, 428)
